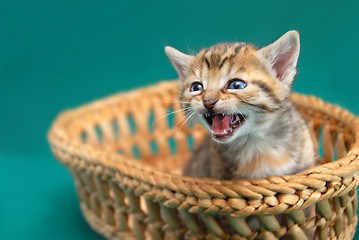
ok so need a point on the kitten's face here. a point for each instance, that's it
(231, 89)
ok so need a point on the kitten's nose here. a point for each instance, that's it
(209, 103)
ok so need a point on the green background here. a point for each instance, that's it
(56, 55)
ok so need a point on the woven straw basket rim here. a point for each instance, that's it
(324, 181)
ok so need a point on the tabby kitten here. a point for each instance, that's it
(241, 94)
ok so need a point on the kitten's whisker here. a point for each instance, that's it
(245, 140)
(186, 116)
(178, 91)
(189, 50)
(185, 110)
(184, 122)
(174, 101)
(246, 110)
(243, 116)
(179, 121)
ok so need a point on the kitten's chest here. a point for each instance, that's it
(264, 165)
(242, 163)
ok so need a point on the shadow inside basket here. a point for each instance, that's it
(148, 127)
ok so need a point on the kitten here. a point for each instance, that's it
(241, 94)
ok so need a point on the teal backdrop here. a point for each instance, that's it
(56, 55)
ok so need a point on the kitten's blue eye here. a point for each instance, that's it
(196, 87)
(237, 84)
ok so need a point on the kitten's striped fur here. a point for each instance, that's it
(272, 138)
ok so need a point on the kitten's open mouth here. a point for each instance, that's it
(224, 125)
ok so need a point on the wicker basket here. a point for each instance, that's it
(126, 159)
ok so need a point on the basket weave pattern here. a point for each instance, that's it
(126, 159)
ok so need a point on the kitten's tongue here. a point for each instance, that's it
(221, 124)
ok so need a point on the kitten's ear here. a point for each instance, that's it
(282, 55)
(179, 60)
